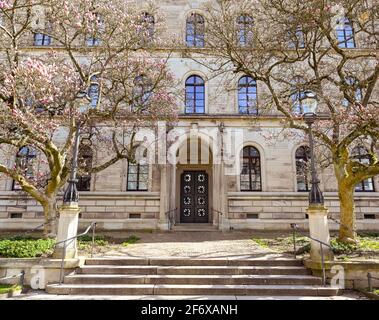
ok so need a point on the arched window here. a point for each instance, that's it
(195, 95)
(361, 155)
(24, 163)
(94, 91)
(195, 29)
(138, 172)
(85, 159)
(247, 95)
(245, 30)
(148, 26)
(345, 33)
(142, 92)
(302, 158)
(93, 39)
(251, 170)
(296, 38)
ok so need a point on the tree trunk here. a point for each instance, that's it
(50, 213)
(347, 231)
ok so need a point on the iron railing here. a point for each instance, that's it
(295, 227)
(370, 277)
(46, 223)
(21, 275)
(67, 241)
(170, 216)
(219, 214)
(340, 223)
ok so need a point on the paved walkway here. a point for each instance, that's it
(191, 244)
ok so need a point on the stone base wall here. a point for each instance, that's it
(141, 210)
(112, 210)
(276, 211)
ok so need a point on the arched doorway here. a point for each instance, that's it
(194, 187)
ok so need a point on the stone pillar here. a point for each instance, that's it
(162, 223)
(319, 229)
(67, 228)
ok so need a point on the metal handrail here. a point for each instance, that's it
(219, 212)
(36, 228)
(93, 225)
(340, 223)
(21, 275)
(369, 280)
(170, 218)
(295, 227)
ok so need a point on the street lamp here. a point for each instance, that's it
(71, 195)
(309, 103)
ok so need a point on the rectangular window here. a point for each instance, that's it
(41, 39)
(138, 177)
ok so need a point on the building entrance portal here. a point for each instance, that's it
(194, 199)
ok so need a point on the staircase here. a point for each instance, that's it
(195, 227)
(182, 277)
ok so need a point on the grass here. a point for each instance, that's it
(261, 242)
(130, 240)
(6, 288)
(85, 242)
(376, 291)
(368, 245)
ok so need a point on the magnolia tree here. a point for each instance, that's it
(292, 47)
(98, 73)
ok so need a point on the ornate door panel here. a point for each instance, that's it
(194, 198)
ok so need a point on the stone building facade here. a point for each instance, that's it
(215, 166)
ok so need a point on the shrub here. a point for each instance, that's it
(25, 248)
(6, 288)
(342, 248)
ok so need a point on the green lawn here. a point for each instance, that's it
(368, 246)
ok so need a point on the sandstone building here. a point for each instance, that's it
(217, 165)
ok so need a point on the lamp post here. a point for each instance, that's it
(310, 103)
(69, 211)
(71, 195)
(317, 213)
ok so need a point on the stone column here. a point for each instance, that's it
(319, 229)
(67, 228)
(164, 198)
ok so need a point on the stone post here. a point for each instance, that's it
(67, 228)
(164, 198)
(319, 229)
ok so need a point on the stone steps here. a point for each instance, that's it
(195, 227)
(150, 289)
(193, 262)
(193, 279)
(193, 270)
(188, 277)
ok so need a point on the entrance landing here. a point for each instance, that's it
(236, 244)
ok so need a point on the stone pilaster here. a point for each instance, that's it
(67, 228)
(319, 229)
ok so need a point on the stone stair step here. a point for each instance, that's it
(193, 279)
(193, 262)
(193, 270)
(195, 227)
(241, 290)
